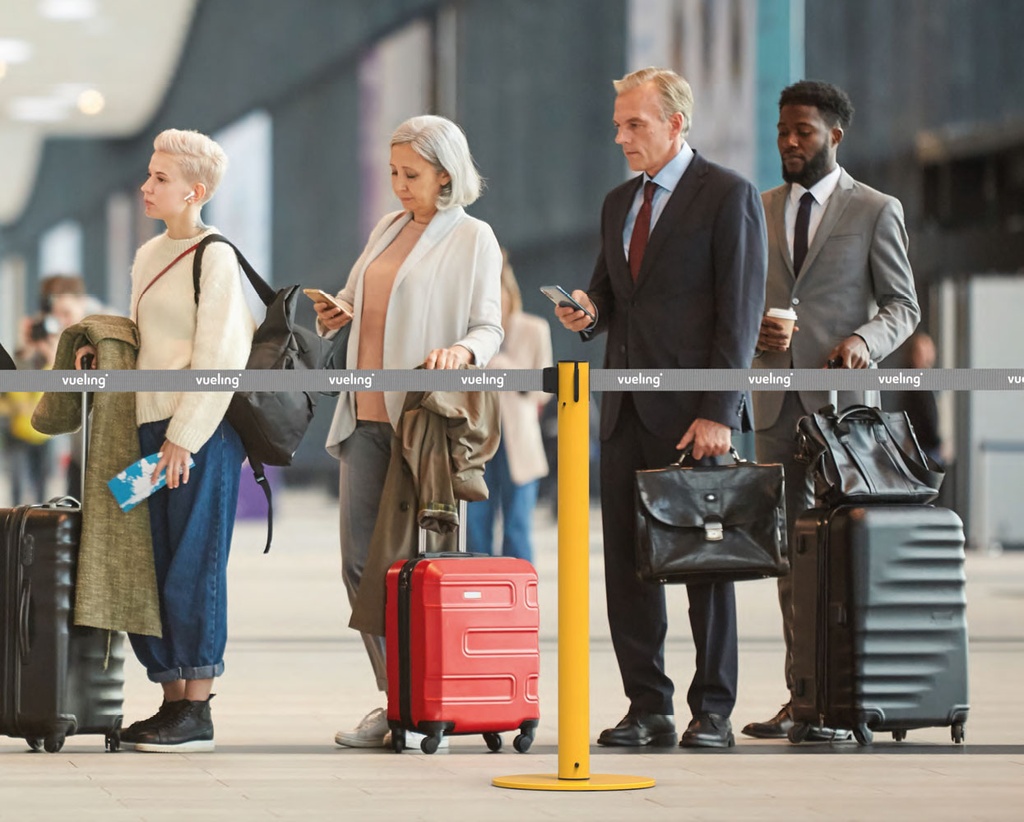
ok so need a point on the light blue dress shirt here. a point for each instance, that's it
(667, 179)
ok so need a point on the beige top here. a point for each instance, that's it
(378, 280)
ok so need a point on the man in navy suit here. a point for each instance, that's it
(679, 283)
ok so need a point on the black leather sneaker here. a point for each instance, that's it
(130, 735)
(187, 728)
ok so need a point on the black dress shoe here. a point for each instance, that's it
(775, 728)
(708, 731)
(780, 725)
(636, 730)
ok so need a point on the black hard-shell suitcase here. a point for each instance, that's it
(56, 678)
(879, 606)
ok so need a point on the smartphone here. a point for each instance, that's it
(559, 296)
(319, 296)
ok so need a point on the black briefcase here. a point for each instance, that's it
(713, 523)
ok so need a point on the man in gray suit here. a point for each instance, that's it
(837, 255)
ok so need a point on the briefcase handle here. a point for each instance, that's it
(688, 452)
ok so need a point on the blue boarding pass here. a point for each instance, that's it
(134, 484)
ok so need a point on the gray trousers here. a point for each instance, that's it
(778, 444)
(364, 466)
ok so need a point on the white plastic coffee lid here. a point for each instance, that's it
(782, 313)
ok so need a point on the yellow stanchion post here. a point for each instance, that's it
(573, 601)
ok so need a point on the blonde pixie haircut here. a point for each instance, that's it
(443, 144)
(674, 91)
(200, 158)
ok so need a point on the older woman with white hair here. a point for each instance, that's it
(191, 520)
(425, 291)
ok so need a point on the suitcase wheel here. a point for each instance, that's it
(430, 743)
(957, 732)
(35, 742)
(899, 736)
(53, 743)
(863, 735)
(112, 742)
(493, 742)
(798, 732)
(524, 740)
(397, 740)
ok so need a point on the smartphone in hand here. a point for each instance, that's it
(319, 296)
(560, 297)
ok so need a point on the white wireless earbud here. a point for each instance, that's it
(190, 197)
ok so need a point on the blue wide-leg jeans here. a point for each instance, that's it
(192, 527)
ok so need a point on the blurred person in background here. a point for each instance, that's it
(29, 453)
(514, 473)
(921, 406)
(66, 302)
(426, 291)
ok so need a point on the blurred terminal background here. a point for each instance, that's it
(304, 94)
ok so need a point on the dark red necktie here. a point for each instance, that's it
(803, 223)
(641, 231)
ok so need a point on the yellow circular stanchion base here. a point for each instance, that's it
(552, 782)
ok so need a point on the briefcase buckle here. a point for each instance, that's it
(713, 530)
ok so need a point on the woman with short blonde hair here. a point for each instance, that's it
(192, 519)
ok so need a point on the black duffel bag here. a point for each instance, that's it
(865, 455)
(711, 523)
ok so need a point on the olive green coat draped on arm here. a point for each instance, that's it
(116, 585)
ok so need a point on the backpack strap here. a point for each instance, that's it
(266, 294)
(260, 286)
(261, 480)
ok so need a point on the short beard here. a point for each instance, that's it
(813, 170)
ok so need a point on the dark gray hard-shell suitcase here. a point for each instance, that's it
(879, 606)
(56, 678)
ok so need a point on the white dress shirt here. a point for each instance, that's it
(821, 191)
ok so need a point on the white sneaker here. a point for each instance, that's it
(369, 733)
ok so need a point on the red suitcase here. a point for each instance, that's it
(462, 649)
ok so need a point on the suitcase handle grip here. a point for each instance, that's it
(24, 607)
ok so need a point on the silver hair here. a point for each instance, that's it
(443, 144)
(201, 159)
(674, 92)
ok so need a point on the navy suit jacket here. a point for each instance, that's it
(697, 301)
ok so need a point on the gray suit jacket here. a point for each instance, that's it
(856, 279)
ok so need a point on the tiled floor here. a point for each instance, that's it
(295, 674)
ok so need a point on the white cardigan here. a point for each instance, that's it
(447, 292)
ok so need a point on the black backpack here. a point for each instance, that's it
(271, 424)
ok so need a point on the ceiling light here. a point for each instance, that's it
(14, 51)
(91, 102)
(68, 9)
(38, 109)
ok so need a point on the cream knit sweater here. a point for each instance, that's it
(176, 334)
